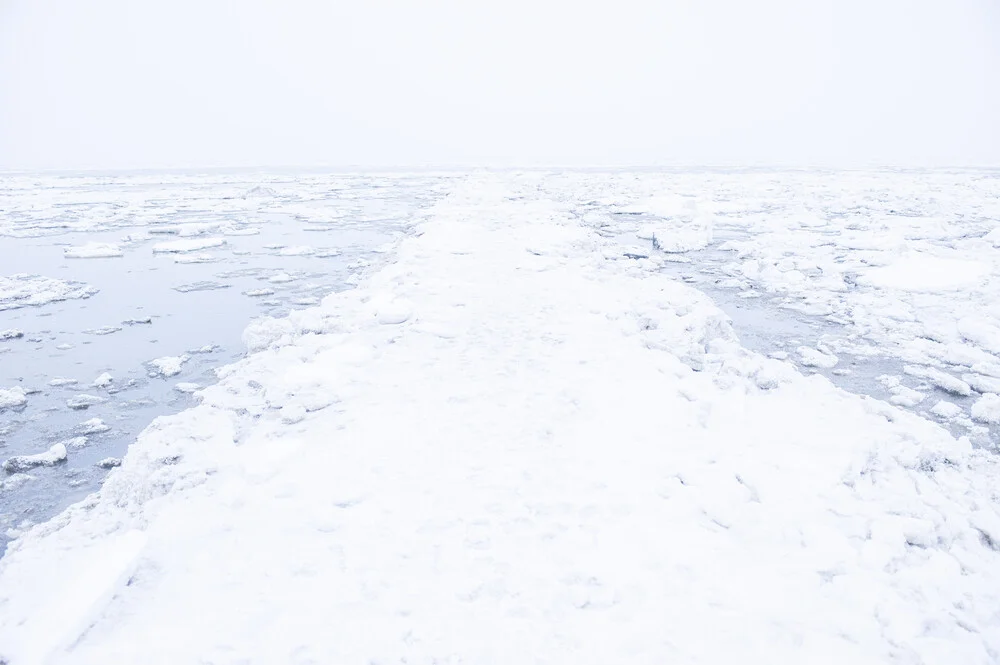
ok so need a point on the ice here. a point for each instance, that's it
(60, 381)
(24, 290)
(109, 462)
(168, 366)
(22, 463)
(942, 380)
(810, 357)
(257, 293)
(94, 250)
(186, 387)
(12, 398)
(919, 272)
(103, 381)
(184, 246)
(300, 250)
(92, 426)
(506, 429)
(7, 335)
(202, 257)
(280, 278)
(76, 442)
(84, 401)
(987, 409)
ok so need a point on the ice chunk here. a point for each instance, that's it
(59, 382)
(300, 250)
(903, 396)
(92, 426)
(942, 380)
(12, 398)
(987, 409)
(6, 335)
(50, 457)
(982, 384)
(280, 278)
(94, 250)
(84, 401)
(260, 192)
(257, 293)
(202, 257)
(188, 245)
(24, 290)
(110, 462)
(946, 409)
(168, 365)
(75, 443)
(811, 357)
(187, 388)
(103, 381)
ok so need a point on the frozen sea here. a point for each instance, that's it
(103, 276)
(681, 416)
(120, 295)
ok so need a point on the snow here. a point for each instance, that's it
(503, 447)
(24, 290)
(13, 333)
(942, 380)
(60, 381)
(94, 250)
(919, 272)
(987, 409)
(12, 398)
(109, 462)
(186, 387)
(50, 457)
(168, 366)
(190, 245)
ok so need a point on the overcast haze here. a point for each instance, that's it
(126, 84)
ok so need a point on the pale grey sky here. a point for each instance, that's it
(156, 83)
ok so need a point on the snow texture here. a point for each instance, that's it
(554, 456)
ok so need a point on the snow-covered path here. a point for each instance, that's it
(512, 446)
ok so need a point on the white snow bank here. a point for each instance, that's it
(50, 457)
(94, 250)
(24, 290)
(189, 245)
(570, 450)
(12, 398)
(922, 272)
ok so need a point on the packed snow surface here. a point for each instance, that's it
(514, 445)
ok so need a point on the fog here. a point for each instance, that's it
(112, 84)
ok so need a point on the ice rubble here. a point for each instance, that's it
(483, 442)
(22, 463)
(12, 398)
(24, 290)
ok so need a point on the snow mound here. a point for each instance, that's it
(24, 290)
(94, 250)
